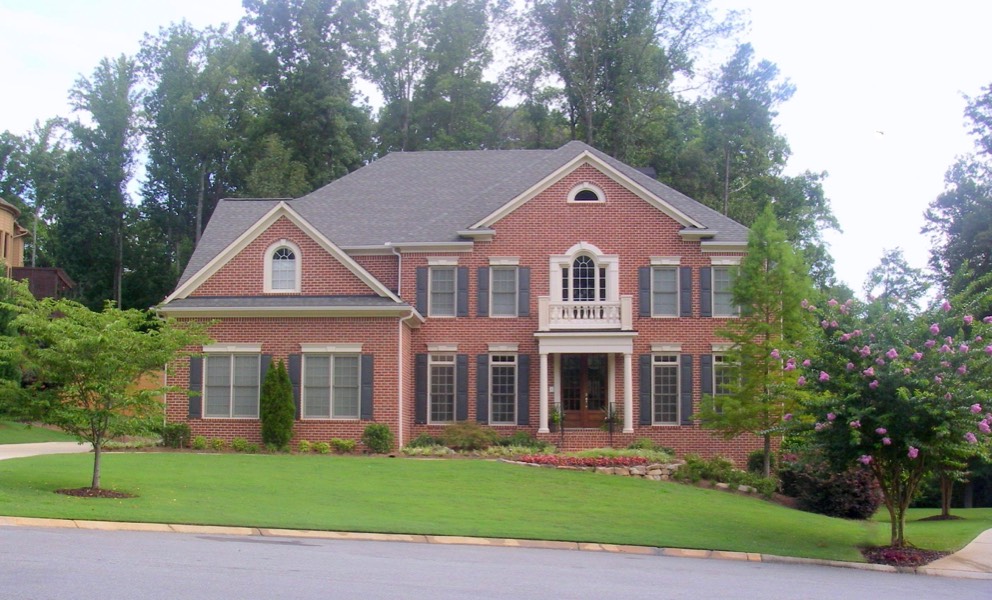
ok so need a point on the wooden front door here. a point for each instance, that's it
(583, 389)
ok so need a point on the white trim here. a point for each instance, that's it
(724, 261)
(666, 261)
(282, 209)
(442, 261)
(697, 235)
(587, 186)
(720, 247)
(666, 348)
(298, 260)
(504, 261)
(233, 348)
(587, 158)
(478, 235)
(508, 347)
(332, 348)
(721, 346)
(586, 342)
(410, 247)
(291, 311)
(439, 348)
(676, 365)
(610, 261)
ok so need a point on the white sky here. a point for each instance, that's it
(860, 67)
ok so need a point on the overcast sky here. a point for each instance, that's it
(878, 103)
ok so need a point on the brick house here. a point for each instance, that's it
(497, 286)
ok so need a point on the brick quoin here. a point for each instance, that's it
(625, 225)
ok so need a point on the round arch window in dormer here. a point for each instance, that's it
(282, 267)
(586, 193)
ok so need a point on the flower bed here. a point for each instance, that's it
(555, 460)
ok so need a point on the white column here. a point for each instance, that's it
(543, 406)
(628, 393)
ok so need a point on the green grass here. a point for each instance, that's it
(19, 433)
(447, 497)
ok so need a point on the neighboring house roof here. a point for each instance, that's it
(425, 197)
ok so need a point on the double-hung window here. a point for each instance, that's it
(232, 385)
(442, 291)
(665, 291)
(665, 389)
(331, 386)
(723, 292)
(504, 291)
(503, 386)
(724, 375)
(441, 388)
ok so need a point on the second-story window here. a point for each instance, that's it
(283, 269)
(442, 291)
(584, 281)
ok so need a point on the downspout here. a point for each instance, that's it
(399, 347)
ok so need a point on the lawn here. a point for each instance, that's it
(19, 433)
(445, 497)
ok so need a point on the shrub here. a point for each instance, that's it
(175, 435)
(321, 447)
(218, 444)
(239, 444)
(850, 494)
(276, 407)
(436, 450)
(378, 438)
(756, 462)
(468, 435)
(651, 456)
(522, 439)
(342, 446)
(695, 468)
(642, 444)
(303, 447)
(199, 443)
(424, 441)
(252, 448)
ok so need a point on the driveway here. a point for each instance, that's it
(22, 450)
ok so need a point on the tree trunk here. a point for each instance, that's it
(199, 202)
(96, 465)
(946, 490)
(767, 469)
(726, 180)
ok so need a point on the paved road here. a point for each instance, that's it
(107, 565)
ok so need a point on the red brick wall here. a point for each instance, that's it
(321, 274)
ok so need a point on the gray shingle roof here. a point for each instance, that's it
(428, 197)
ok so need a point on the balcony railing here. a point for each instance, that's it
(566, 315)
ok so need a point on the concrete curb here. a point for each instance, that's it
(474, 541)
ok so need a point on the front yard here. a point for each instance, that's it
(445, 497)
(18, 433)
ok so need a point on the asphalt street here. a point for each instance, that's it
(107, 565)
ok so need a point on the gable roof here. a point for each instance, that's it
(429, 197)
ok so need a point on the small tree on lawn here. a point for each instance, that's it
(277, 410)
(85, 364)
(769, 288)
(902, 395)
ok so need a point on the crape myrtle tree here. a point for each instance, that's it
(899, 394)
(83, 367)
(768, 289)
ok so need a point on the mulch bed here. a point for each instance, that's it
(92, 493)
(901, 557)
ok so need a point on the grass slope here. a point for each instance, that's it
(19, 433)
(447, 497)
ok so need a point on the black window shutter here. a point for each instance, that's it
(523, 291)
(685, 393)
(482, 388)
(644, 379)
(706, 292)
(196, 385)
(420, 389)
(644, 291)
(263, 369)
(368, 378)
(295, 368)
(482, 294)
(461, 387)
(685, 291)
(462, 300)
(523, 389)
(422, 290)
(706, 374)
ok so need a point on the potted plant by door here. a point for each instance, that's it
(555, 418)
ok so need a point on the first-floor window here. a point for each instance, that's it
(724, 375)
(666, 389)
(231, 389)
(331, 386)
(441, 387)
(503, 383)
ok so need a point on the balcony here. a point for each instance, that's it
(556, 315)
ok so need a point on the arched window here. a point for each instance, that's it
(282, 273)
(585, 281)
(587, 196)
(283, 269)
(586, 193)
